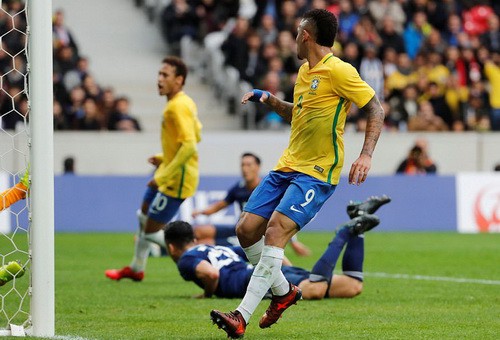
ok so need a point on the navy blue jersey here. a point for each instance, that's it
(234, 271)
(238, 193)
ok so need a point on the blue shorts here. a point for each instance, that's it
(225, 235)
(294, 194)
(162, 208)
(295, 275)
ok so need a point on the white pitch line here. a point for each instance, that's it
(432, 278)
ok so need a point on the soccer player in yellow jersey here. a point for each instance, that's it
(176, 176)
(307, 172)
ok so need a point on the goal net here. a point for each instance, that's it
(25, 120)
(14, 159)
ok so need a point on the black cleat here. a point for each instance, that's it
(355, 209)
(362, 224)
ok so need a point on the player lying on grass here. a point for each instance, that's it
(223, 271)
(15, 193)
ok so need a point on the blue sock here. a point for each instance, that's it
(323, 268)
(352, 262)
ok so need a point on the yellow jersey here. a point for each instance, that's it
(321, 100)
(180, 125)
(492, 72)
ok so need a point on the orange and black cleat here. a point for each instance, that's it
(232, 323)
(278, 305)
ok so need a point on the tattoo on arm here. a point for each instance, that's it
(375, 115)
(283, 108)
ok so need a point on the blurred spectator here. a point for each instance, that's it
(429, 164)
(454, 29)
(179, 19)
(287, 52)
(403, 107)
(60, 122)
(391, 38)
(107, 104)
(121, 119)
(14, 108)
(383, 10)
(235, 47)
(372, 71)
(74, 110)
(74, 77)
(426, 120)
(61, 36)
(347, 20)
(415, 33)
(69, 166)
(402, 77)
(287, 17)
(90, 119)
(476, 115)
(491, 38)
(270, 119)
(438, 102)
(492, 72)
(253, 64)
(267, 29)
(351, 55)
(417, 163)
(91, 88)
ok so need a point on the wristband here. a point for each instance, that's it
(257, 94)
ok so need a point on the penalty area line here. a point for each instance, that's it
(432, 278)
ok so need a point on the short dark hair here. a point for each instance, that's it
(249, 154)
(324, 24)
(180, 66)
(179, 233)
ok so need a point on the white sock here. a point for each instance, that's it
(280, 286)
(141, 253)
(264, 275)
(254, 252)
(142, 218)
(157, 237)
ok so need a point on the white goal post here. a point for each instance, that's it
(27, 296)
(42, 168)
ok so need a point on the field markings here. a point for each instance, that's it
(432, 278)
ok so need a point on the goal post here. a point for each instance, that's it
(41, 142)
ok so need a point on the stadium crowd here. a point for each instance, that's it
(80, 103)
(435, 64)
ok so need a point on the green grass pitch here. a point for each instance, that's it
(417, 306)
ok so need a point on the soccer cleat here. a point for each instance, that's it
(232, 323)
(355, 209)
(362, 224)
(9, 271)
(124, 273)
(278, 305)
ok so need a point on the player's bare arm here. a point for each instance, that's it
(209, 276)
(375, 116)
(211, 209)
(281, 107)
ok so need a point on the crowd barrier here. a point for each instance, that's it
(468, 202)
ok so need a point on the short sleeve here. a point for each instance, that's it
(348, 84)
